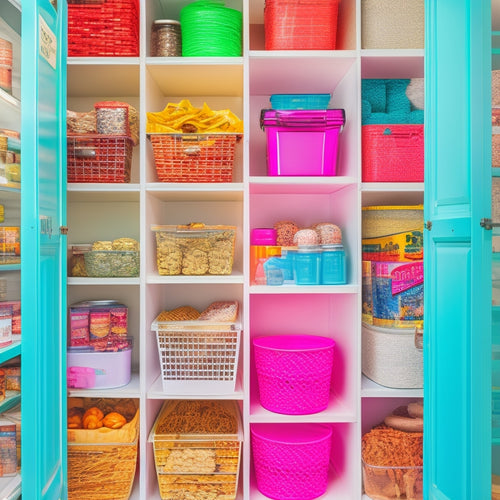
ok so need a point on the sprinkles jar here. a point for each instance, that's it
(166, 38)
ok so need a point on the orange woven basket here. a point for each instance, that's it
(194, 157)
(300, 25)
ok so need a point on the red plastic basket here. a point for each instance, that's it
(194, 157)
(103, 28)
(303, 25)
(393, 153)
(99, 158)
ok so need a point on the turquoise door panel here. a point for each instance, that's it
(457, 265)
(43, 282)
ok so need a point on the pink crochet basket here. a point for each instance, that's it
(291, 461)
(294, 372)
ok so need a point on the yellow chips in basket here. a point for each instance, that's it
(183, 117)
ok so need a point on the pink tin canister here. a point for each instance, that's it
(302, 142)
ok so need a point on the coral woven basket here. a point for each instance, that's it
(304, 25)
(294, 372)
(291, 461)
(393, 153)
(103, 28)
(194, 157)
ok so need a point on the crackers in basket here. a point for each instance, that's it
(182, 313)
(223, 310)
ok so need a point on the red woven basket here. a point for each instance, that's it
(194, 157)
(300, 25)
(99, 158)
(103, 28)
(393, 153)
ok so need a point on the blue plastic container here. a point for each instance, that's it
(307, 265)
(333, 265)
(300, 101)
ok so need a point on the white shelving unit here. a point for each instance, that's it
(242, 85)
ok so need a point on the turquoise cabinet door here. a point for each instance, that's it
(43, 261)
(457, 265)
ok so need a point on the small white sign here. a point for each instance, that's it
(48, 43)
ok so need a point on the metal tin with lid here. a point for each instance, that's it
(166, 40)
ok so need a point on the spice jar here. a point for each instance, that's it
(166, 40)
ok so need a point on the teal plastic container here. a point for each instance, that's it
(307, 265)
(300, 101)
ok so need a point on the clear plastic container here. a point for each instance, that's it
(262, 247)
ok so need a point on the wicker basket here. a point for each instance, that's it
(379, 221)
(393, 153)
(194, 157)
(392, 24)
(103, 28)
(197, 449)
(304, 25)
(99, 158)
(294, 372)
(291, 461)
(102, 462)
(392, 357)
(198, 357)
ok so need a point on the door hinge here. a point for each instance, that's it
(489, 224)
(63, 229)
(428, 225)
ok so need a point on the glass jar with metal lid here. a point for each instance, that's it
(166, 38)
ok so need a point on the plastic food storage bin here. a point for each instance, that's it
(198, 356)
(194, 249)
(197, 448)
(393, 483)
(89, 368)
(294, 372)
(112, 263)
(291, 461)
(302, 142)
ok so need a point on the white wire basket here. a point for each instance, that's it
(198, 357)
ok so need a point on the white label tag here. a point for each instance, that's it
(48, 43)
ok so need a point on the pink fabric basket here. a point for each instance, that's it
(291, 461)
(302, 142)
(294, 372)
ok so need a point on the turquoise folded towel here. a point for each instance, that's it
(373, 90)
(416, 116)
(386, 118)
(397, 100)
(366, 110)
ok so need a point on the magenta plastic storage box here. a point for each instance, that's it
(92, 369)
(302, 142)
(291, 461)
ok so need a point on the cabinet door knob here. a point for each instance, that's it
(63, 229)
